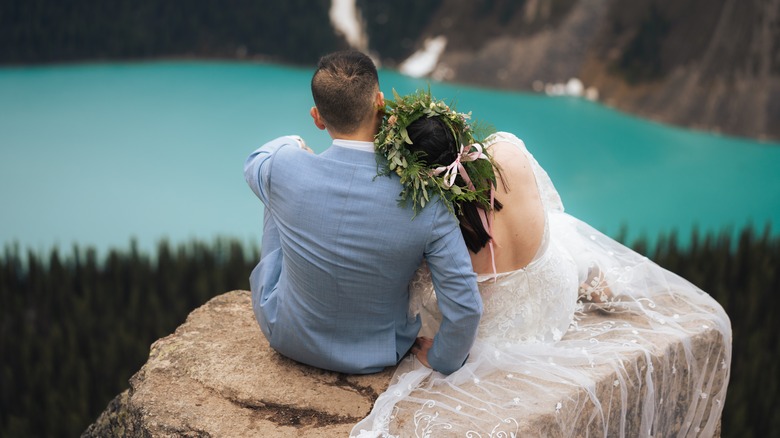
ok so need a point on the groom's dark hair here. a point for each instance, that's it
(344, 86)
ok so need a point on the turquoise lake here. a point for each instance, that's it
(97, 154)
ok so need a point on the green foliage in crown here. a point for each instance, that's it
(421, 183)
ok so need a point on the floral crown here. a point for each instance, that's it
(421, 182)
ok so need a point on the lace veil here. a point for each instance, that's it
(649, 355)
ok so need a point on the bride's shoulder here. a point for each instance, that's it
(510, 155)
(505, 144)
(504, 137)
(505, 147)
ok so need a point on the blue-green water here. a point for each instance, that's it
(97, 154)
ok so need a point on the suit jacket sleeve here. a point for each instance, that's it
(257, 168)
(457, 293)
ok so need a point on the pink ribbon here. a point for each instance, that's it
(451, 172)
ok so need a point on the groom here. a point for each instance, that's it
(338, 252)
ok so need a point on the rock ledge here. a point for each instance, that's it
(216, 376)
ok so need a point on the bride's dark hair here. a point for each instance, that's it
(437, 143)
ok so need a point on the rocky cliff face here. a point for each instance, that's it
(216, 376)
(707, 64)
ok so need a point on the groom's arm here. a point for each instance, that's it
(457, 294)
(257, 171)
(257, 167)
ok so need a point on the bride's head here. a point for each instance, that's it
(439, 155)
(433, 139)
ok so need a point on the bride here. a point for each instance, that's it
(562, 303)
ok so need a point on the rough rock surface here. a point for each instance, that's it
(216, 376)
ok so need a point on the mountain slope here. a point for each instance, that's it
(708, 64)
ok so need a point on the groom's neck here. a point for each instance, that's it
(367, 134)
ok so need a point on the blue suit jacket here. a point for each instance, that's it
(331, 288)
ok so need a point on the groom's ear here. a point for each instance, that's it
(317, 119)
(380, 101)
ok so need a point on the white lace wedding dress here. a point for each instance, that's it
(534, 337)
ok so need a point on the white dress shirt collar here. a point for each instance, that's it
(365, 146)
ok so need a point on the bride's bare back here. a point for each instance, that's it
(519, 227)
